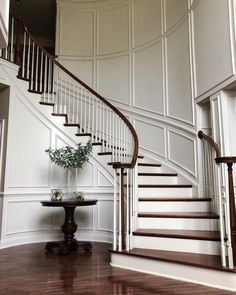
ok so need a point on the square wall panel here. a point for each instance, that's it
(177, 144)
(146, 21)
(113, 78)
(113, 30)
(148, 78)
(83, 69)
(174, 11)
(151, 137)
(76, 33)
(179, 92)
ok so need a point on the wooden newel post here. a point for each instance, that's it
(17, 48)
(232, 209)
(122, 199)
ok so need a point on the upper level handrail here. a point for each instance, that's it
(101, 98)
(215, 146)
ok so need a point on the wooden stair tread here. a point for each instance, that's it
(181, 234)
(200, 215)
(71, 125)
(96, 143)
(192, 259)
(174, 199)
(113, 163)
(165, 186)
(47, 103)
(157, 174)
(149, 165)
(105, 153)
(83, 134)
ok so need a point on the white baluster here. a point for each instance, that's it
(12, 41)
(115, 212)
(127, 211)
(81, 110)
(100, 121)
(32, 68)
(36, 71)
(45, 78)
(41, 73)
(28, 59)
(120, 209)
(23, 57)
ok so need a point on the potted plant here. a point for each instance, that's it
(71, 158)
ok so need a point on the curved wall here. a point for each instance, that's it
(29, 175)
(137, 54)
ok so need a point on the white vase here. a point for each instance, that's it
(71, 182)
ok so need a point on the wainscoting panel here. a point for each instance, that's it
(71, 39)
(113, 30)
(179, 93)
(151, 137)
(213, 52)
(146, 21)
(24, 215)
(181, 151)
(113, 78)
(83, 69)
(105, 223)
(148, 78)
(174, 11)
(27, 153)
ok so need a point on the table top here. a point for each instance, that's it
(68, 203)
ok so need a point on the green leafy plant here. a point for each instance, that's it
(70, 157)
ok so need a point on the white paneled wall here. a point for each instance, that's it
(214, 43)
(142, 61)
(153, 59)
(29, 175)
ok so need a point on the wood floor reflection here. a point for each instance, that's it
(28, 269)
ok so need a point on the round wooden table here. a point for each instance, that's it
(69, 227)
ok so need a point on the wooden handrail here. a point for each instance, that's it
(215, 146)
(122, 116)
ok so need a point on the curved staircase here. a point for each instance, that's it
(160, 225)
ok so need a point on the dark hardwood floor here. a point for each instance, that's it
(28, 269)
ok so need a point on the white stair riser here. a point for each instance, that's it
(179, 245)
(173, 206)
(165, 192)
(178, 223)
(157, 179)
(148, 169)
(188, 273)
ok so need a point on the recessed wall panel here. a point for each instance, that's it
(146, 21)
(213, 57)
(179, 93)
(182, 151)
(148, 78)
(23, 216)
(174, 11)
(26, 154)
(76, 33)
(113, 78)
(82, 69)
(113, 30)
(105, 221)
(151, 137)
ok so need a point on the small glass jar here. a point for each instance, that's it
(56, 194)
